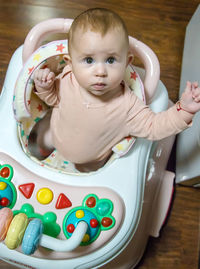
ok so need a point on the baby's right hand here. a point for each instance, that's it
(44, 78)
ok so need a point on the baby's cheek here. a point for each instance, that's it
(81, 77)
(118, 77)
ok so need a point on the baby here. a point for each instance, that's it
(93, 108)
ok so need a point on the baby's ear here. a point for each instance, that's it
(67, 59)
(129, 58)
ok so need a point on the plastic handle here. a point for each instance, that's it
(65, 245)
(39, 32)
(151, 64)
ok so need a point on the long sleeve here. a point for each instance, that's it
(49, 95)
(143, 122)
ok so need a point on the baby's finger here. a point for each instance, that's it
(38, 75)
(195, 84)
(51, 76)
(188, 86)
(45, 74)
(195, 93)
(197, 99)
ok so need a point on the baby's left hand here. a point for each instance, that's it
(190, 99)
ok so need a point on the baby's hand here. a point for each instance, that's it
(190, 99)
(44, 78)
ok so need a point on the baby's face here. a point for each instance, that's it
(99, 63)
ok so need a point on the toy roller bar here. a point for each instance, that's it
(18, 231)
(65, 245)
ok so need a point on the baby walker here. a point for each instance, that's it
(52, 216)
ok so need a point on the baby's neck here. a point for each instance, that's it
(90, 98)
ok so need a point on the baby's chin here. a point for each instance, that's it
(104, 90)
(98, 93)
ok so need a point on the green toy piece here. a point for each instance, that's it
(95, 212)
(51, 228)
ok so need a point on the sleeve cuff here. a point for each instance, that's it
(182, 118)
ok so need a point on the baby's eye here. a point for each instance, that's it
(88, 60)
(110, 60)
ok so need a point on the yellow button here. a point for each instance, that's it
(80, 214)
(44, 196)
(3, 185)
(86, 238)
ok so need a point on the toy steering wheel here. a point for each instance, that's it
(139, 49)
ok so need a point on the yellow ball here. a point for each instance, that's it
(3, 185)
(80, 214)
(86, 238)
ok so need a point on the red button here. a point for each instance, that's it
(91, 201)
(27, 189)
(63, 202)
(70, 228)
(5, 172)
(4, 202)
(106, 222)
(93, 223)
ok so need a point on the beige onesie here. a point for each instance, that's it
(85, 133)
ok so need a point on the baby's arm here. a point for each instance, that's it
(143, 122)
(190, 101)
(44, 79)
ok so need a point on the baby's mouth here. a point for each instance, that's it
(99, 86)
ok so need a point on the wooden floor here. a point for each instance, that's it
(161, 25)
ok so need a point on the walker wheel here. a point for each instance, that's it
(32, 236)
(16, 231)
(6, 216)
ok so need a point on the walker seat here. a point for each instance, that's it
(51, 215)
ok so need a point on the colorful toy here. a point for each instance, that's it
(32, 236)
(96, 213)
(6, 216)
(67, 219)
(7, 189)
(16, 231)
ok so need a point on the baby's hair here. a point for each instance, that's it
(98, 20)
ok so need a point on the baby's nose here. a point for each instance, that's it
(100, 70)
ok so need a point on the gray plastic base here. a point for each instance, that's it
(188, 142)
